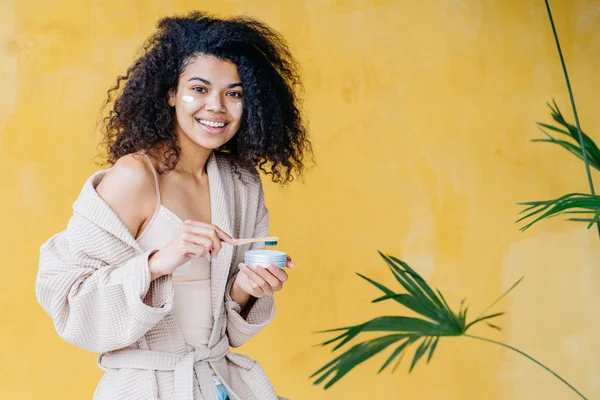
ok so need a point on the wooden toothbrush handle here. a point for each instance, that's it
(239, 242)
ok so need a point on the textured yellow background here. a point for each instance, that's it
(421, 114)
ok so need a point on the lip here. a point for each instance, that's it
(212, 119)
(212, 130)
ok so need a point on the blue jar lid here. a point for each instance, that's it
(269, 256)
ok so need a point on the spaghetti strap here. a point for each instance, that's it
(158, 203)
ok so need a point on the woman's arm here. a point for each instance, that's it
(94, 303)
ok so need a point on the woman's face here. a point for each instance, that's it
(208, 102)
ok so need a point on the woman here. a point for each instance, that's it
(145, 272)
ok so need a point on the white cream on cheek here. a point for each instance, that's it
(188, 99)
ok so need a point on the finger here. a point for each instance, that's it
(279, 273)
(256, 289)
(254, 275)
(217, 234)
(273, 283)
(218, 231)
(289, 263)
(192, 250)
(199, 240)
(222, 235)
(204, 230)
(210, 233)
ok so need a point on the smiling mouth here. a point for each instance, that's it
(211, 124)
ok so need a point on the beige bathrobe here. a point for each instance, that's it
(93, 280)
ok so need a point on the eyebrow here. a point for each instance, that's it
(230, 86)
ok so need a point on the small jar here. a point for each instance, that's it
(264, 258)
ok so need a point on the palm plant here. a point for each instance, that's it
(438, 320)
(587, 206)
(573, 203)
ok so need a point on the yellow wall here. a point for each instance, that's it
(421, 114)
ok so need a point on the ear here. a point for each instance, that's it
(171, 99)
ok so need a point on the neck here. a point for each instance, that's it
(192, 158)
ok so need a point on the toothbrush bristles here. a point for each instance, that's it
(274, 243)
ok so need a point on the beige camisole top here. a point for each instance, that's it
(192, 303)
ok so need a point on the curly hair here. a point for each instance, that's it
(271, 136)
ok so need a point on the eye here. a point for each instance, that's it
(235, 95)
(199, 89)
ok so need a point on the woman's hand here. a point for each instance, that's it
(258, 281)
(194, 239)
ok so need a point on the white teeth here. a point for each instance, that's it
(211, 123)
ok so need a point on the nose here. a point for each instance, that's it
(215, 103)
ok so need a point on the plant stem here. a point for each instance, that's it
(531, 358)
(581, 143)
(499, 298)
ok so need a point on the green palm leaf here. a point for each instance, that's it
(358, 353)
(584, 148)
(435, 320)
(401, 332)
(570, 131)
(572, 203)
(420, 351)
(409, 340)
(432, 349)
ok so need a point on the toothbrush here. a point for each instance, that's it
(269, 241)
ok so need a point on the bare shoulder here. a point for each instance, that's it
(130, 170)
(129, 189)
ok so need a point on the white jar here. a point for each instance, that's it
(264, 258)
